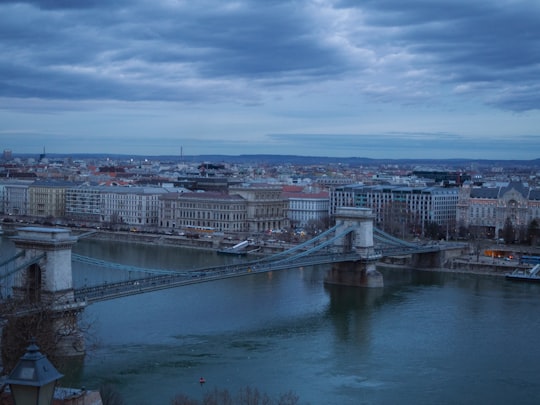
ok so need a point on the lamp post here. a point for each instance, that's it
(33, 379)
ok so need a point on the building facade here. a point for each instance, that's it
(196, 211)
(489, 208)
(15, 197)
(83, 203)
(135, 207)
(307, 207)
(266, 207)
(401, 208)
(47, 198)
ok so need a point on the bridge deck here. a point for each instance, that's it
(316, 251)
(173, 279)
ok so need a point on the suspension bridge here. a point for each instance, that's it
(39, 275)
(41, 269)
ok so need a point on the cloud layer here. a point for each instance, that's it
(294, 61)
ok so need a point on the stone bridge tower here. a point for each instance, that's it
(45, 280)
(360, 240)
(361, 272)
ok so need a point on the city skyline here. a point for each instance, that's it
(384, 79)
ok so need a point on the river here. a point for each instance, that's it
(425, 338)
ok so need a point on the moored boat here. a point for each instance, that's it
(531, 275)
(238, 249)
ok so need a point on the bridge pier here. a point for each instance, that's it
(44, 284)
(357, 226)
(357, 273)
(427, 260)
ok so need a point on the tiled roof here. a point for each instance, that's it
(485, 192)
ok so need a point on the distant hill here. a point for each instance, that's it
(299, 160)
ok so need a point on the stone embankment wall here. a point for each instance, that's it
(156, 239)
(202, 242)
(485, 265)
(466, 264)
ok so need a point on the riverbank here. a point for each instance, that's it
(470, 264)
(467, 264)
(206, 242)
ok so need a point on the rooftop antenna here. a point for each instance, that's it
(42, 156)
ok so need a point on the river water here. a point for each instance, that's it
(424, 338)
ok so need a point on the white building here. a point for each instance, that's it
(136, 207)
(14, 195)
(413, 207)
(306, 207)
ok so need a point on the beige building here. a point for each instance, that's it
(202, 211)
(47, 198)
(266, 206)
(489, 208)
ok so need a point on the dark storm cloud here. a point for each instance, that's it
(152, 51)
(210, 50)
(487, 48)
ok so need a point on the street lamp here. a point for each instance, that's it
(33, 379)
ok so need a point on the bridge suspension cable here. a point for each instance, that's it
(384, 237)
(301, 245)
(22, 266)
(316, 248)
(118, 266)
(12, 259)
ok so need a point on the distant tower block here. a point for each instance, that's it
(48, 279)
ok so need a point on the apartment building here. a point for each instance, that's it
(115, 206)
(83, 203)
(412, 207)
(47, 198)
(14, 194)
(135, 206)
(212, 211)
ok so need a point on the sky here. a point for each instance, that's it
(342, 78)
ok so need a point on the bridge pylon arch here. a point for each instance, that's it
(44, 281)
(359, 223)
(356, 224)
(48, 277)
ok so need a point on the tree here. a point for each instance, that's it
(508, 231)
(19, 329)
(463, 231)
(52, 330)
(432, 230)
(533, 232)
(110, 396)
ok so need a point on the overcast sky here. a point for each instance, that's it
(370, 78)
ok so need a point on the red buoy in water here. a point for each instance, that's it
(202, 381)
